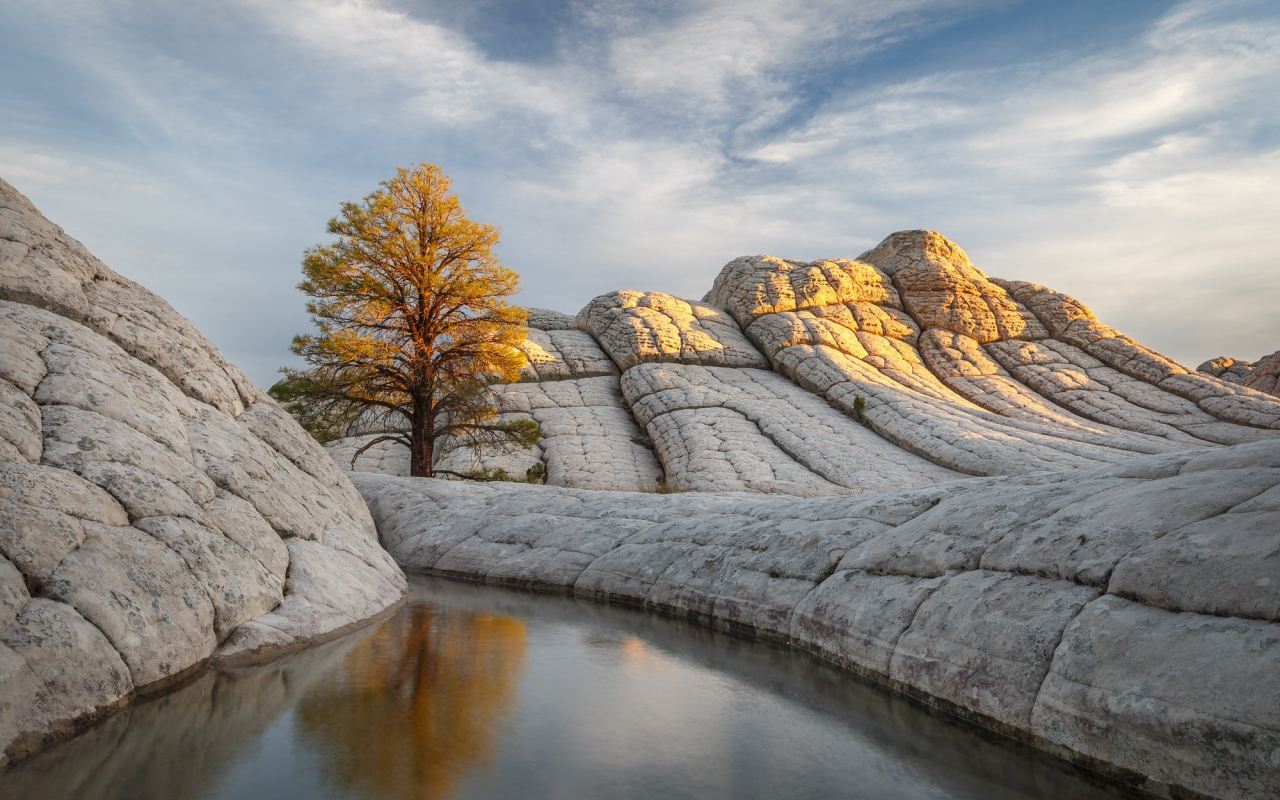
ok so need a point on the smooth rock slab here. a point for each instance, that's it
(1184, 699)
(984, 640)
(857, 618)
(1032, 648)
(1228, 565)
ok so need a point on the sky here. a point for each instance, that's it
(1125, 153)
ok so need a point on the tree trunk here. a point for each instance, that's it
(423, 443)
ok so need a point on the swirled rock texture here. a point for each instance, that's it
(156, 509)
(1126, 617)
(590, 440)
(901, 368)
(966, 487)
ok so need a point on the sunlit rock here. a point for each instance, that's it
(640, 327)
(1265, 376)
(823, 499)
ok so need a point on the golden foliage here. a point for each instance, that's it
(412, 315)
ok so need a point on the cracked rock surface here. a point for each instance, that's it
(1262, 375)
(571, 389)
(156, 509)
(901, 368)
(1126, 616)
(968, 488)
(978, 493)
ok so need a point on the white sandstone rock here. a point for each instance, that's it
(559, 355)
(1008, 600)
(20, 429)
(1182, 699)
(109, 414)
(638, 327)
(237, 584)
(983, 640)
(142, 596)
(56, 671)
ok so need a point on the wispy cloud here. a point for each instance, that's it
(200, 150)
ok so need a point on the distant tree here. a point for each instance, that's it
(413, 324)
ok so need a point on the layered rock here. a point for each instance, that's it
(642, 327)
(906, 366)
(156, 509)
(1265, 376)
(1126, 617)
(912, 333)
(1106, 589)
(571, 389)
(752, 430)
(1261, 375)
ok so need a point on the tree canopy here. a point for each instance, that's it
(413, 324)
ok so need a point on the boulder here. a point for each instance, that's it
(148, 497)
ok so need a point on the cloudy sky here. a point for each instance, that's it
(1126, 153)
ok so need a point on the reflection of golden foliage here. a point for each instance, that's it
(418, 704)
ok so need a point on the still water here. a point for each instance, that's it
(469, 692)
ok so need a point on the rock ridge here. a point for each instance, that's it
(903, 367)
(157, 510)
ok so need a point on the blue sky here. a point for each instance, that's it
(1126, 153)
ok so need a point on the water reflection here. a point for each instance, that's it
(417, 705)
(183, 744)
(469, 692)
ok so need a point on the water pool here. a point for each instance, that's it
(474, 692)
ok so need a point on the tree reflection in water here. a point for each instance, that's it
(418, 705)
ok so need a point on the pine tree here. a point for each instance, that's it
(413, 324)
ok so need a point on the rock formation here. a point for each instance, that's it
(157, 510)
(968, 488)
(1123, 616)
(1262, 375)
(905, 367)
(998, 504)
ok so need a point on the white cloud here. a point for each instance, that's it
(663, 140)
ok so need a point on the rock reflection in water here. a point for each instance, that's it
(474, 692)
(418, 705)
(182, 744)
